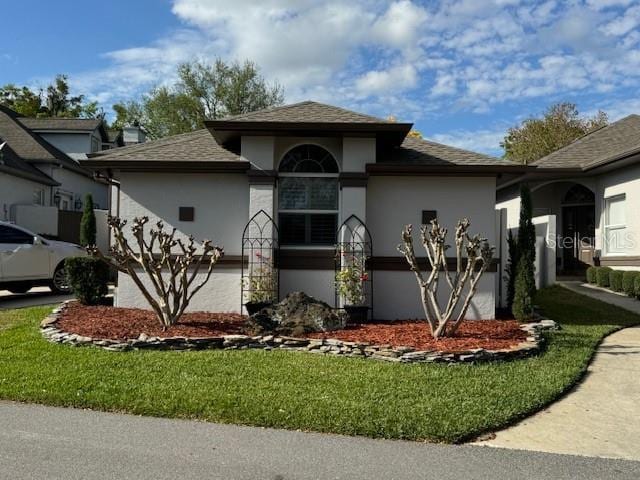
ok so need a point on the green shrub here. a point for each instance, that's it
(636, 286)
(88, 277)
(602, 277)
(592, 273)
(628, 283)
(88, 223)
(525, 287)
(615, 280)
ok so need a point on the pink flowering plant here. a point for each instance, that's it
(351, 277)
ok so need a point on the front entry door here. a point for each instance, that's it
(578, 231)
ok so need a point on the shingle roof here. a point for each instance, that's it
(13, 165)
(305, 112)
(619, 139)
(418, 151)
(193, 146)
(76, 124)
(30, 146)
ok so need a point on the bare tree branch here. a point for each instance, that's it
(167, 272)
(468, 273)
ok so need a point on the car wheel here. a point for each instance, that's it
(59, 283)
(20, 288)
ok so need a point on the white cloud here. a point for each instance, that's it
(483, 140)
(407, 57)
(394, 79)
(622, 25)
(400, 25)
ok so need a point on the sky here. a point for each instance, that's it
(463, 71)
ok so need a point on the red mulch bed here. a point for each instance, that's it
(487, 334)
(128, 323)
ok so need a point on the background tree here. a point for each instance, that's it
(21, 99)
(560, 125)
(88, 223)
(53, 101)
(203, 91)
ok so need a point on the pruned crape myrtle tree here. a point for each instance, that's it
(170, 264)
(444, 320)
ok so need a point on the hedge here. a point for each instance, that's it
(592, 273)
(615, 280)
(602, 276)
(88, 278)
(628, 283)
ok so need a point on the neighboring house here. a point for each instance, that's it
(591, 188)
(41, 169)
(310, 167)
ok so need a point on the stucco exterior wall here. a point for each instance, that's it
(221, 203)
(393, 202)
(18, 191)
(220, 294)
(623, 181)
(73, 144)
(397, 296)
(79, 186)
(317, 283)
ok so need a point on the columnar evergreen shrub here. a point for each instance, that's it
(615, 280)
(524, 258)
(511, 268)
(592, 275)
(525, 284)
(88, 277)
(628, 283)
(602, 277)
(88, 223)
(636, 286)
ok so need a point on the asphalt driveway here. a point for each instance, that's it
(34, 297)
(50, 443)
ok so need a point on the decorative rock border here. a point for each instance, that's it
(530, 346)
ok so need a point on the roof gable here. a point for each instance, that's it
(29, 146)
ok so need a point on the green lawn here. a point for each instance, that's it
(303, 391)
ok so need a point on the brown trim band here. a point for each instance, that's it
(620, 261)
(403, 169)
(399, 264)
(160, 166)
(353, 179)
(324, 260)
(262, 177)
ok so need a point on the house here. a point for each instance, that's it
(40, 168)
(310, 167)
(590, 189)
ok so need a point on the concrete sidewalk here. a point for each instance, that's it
(604, 295)
(601, 416)
(54, 443)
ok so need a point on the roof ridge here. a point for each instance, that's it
(427, 141)
(298, 104)
(581, 138)
(158, 142)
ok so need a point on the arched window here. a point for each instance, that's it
(579, 195)
(308, 197)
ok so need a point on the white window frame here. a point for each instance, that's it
(308, 211)
(619, 227)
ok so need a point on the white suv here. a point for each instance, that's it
(28, 260)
